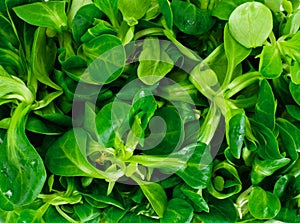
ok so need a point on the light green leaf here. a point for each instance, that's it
(251, 23)
(270, 64)
(154, 62)
(110, 9)
(156, 196)
(45, 14)
(133, 10)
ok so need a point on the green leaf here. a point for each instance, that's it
(292, 25)
(263, 204)
(43, 55)
(196, 198)
(250, 24)
(224, 8)
(270, 64)
(128, 218)
(143, 106)
(106, 54)
(288, 215)
(274, 5)
(220, 211)
(133, 10)
(86, 212)
(291, 47)
(75, 7)
(14, 88)
(292, 130)
(103, 199)
(8, 216)
(35, 124)
(111, 119)
(166, 132)
(265, 107)
(282, 184)
(295, 92)
(199, 164)
(204, 79)
(178, 211)
(7, 32)
(235, 53)
(237, 131)
(83, 19)
(294, 111)
(100, 27)
(110, 9)
(265, 168)
(113, 214)
(190, 19)
(156, 196)
(22, 174)
(153, 11)
(267, 143)
(45, 14)
(165, 8)
(154, 62)
(225, 182)
(53, 215)
(295, 71)
(66, 157)
(30, 215)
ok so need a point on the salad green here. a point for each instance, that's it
(149, 111)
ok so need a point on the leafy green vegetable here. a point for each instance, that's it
(149, 111)
(251, 23)
(263, 204)
(44, 14)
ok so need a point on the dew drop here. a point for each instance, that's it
(142, 93)
(8, 194)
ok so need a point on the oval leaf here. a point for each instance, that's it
(263, 204)
(251, 23)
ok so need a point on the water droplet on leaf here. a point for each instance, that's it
(8, 194)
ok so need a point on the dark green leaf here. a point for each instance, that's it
(166, 132)
(165, 8)
(190, 19)
(221, 211)
(178, 211)
(237, 131)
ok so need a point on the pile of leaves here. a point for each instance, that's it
(149, 111)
